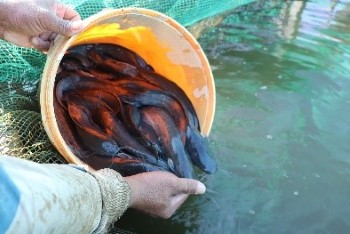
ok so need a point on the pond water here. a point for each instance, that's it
(281, 133)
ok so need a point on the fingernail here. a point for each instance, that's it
(200, 188)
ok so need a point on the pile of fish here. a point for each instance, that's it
(115, 111)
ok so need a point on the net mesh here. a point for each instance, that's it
(21, 131)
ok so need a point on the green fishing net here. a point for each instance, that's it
(21, 131)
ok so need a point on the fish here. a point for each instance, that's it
(64, 73)
(169, 140)
(196, 145)
(174, 91)
(129, 167)
(91, 135)
(112, 101)
(67, 130)
(118, 53)
(135, 84)
(98, 162)
(124, 115)
(72, 83)
(70, 65)
(102, 74)
(115, 128)
(159, 99)
(119, 69)
(130, 116)
(199, 151)
(146, 131)
(76, 58)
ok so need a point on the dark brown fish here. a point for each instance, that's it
(118, 53)
(68, 132)
(97, 96)
(159, 99)
(169, 140)
(74, 82)
(127, 116)
(129, 167)
(119, 69)
(102, 75)
(146, 131)
(98, 162)
(115, 128)
(77, 55)
(91, 135)
(134, 84)
(199, 151)
(174, 91)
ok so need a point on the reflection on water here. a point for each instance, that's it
(282, 125)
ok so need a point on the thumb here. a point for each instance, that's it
(190, 186)
(40, 44)
(63, 26)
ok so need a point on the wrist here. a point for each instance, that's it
(131, 185)
(119, 189)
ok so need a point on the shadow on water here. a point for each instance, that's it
(282, 124)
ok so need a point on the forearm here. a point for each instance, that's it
(59, 198)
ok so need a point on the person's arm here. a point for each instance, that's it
(51, 198)
(35, 23)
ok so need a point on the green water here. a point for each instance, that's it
(282, 124)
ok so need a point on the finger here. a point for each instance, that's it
(45, 36)
(40, 44)
(67, 13)
(48, 37)
(178, 200)
(190, 186)
(62, 26)
(53, 36)
(71, 14)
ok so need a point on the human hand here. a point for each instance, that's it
(160, 193)
(35, 23)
